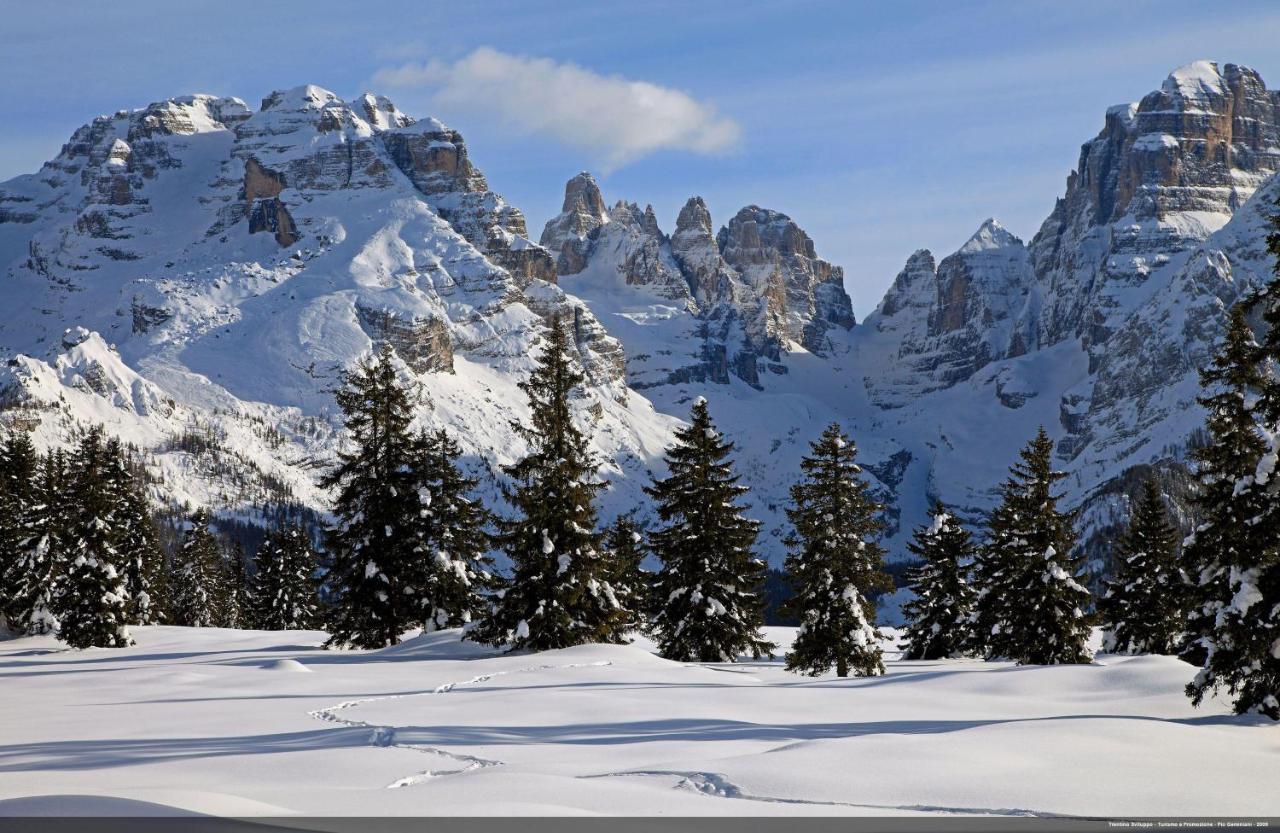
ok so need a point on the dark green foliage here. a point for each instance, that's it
(559, 592)
(835, 563)
(284, 590)
(449, 567)
(90, 598)
(196, 582)
(708, 590)
(235, 586)
(939, 618)
(32, 528)
(138, 541)
(1142, 609)
(1030, 607)
(1224, 536)
(633, 586)
(377, 505)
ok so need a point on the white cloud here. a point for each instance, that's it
(615, 119)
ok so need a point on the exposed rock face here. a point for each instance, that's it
(583, 212)
(422, 343)
(938, 326)
(750, 293)
(776, 258)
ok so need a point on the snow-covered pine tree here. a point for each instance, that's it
(138, 541)
(1224, 535)
(195, 583)
(41, 549)
(1030, 607)
(941, 614)
(709, 605)
(376, 509)
(1242, 650)
(559, 592)
(450, 569)
(90, 599)
(835, 563)
(235, 587)
(284, 588)
(1143, 606)
(18, 465)
(631, 583)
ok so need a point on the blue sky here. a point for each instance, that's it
(880, 127)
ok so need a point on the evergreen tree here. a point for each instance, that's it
(835, 563)
(1241, 645)
(1224, 535)
(631, 583)
(18, 464)
(138, 542)
(449, 568)
(195, 584)
(1030, 608)
(708, 590)
(34, 541)
(559, 592)
(1142, 607)
(377, 507)
(940, 616)
(91, 599)
(235, 587)
(284, 589)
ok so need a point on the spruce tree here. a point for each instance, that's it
(284, 594)
(376, 509)
(35, 541)
(631, 583)
(939, 618)
(1225, 534)
(1242, 643)
(559, 592)
(1142, 607)
(91, 599)
(195, 584)
(835, 563)
(138, 542)
(449, 569)
(18, 465)
(1030, 607)
(710, 607)
(235, 587)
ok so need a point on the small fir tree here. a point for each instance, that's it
(559, 593)
(235, 587)
(18, 466)
(376, 509)
(940, 616)
(91, 600)
(708, 590)
(1142, 608)
(284, 592)
(632, 584)
(450, 569)
(36, 559)
(1030, 607)
(196, 582)
(139, 543)
(835, 563)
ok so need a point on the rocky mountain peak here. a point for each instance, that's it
(990, 235)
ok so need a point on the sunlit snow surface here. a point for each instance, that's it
(218, 721)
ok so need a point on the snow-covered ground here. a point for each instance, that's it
(263, 723)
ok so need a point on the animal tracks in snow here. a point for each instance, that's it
(385, 736)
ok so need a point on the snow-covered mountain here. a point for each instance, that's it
(196, 270)
(215, 268)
